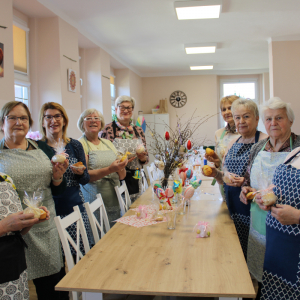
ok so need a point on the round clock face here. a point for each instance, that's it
(178, 99)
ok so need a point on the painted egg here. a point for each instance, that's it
(189, 192)
(167, 135)
(189, 174)
(169, 193)
(188, 145)
(161, 165)
(182, 176)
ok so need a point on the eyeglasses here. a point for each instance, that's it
(57, 117)
(123, 108)
(14, 119)
(89, 119)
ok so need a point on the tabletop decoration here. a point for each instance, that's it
(141, 212)
(137, 174)
(135, 222)
(202, 229)
(170, 149)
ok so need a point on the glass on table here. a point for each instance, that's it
(171, 219)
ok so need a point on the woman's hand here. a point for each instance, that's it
(17, 222)
(213, 158)
(117, 165)
(47, 214)
(285, 214)
(59, 169)
(236, 181)
(213, 174)
(259, 201)
(245, 190)
(78, 171)
(142, 156)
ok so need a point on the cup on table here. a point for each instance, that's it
(171, 219)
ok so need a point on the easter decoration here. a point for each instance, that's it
(202, 229)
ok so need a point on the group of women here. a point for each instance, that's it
(250, 161)
(38, 255)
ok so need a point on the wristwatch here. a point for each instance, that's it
(57, 180)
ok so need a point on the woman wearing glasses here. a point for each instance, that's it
(126, 136)
(31, 169)
(104, 169)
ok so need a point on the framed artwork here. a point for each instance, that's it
(72, 80)
(1, 60)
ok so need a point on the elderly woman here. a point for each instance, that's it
(265, 156)
(31, 169)
(126, 137)
(281, 266)
(104, 169)
(224, 136)
(246, 116)
(13, 224)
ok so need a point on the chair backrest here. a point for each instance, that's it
(98, 207)
(62, 225)
(126, 202)
(144, 181)
(152, 173)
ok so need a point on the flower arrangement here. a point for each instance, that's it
(171, 149)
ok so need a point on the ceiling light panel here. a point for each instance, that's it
(200, 50)
(190, 10)
(194, 68)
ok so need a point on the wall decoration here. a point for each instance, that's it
(72, 80)
(1, 60)
(178, 99)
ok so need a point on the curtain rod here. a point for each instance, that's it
(69, 58)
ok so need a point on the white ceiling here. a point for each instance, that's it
(146, 36)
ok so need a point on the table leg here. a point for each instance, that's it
(92, 296)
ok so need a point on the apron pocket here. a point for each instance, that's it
(258, 218)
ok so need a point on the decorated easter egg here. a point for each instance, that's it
(182, 176)
(189, 192)
(188, 145)
(207, 170)
(169, 193)
(160, 193)
(156, 185)
(209, 151)
(167, 135)
(189, 174)
(161, 165)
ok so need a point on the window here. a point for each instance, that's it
(22, 92)
(20, 37)
(245, 88)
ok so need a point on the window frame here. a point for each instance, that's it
(23, 84)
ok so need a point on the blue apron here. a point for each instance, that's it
(281, 276)
(236, 161)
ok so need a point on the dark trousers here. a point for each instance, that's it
(45, 288)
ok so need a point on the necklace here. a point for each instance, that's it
(27, 145)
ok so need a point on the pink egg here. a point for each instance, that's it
(169, 193)
(182, 176)
(189, 192)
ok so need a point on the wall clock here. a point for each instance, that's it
(178, 99)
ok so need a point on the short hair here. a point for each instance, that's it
(277, 103)
(87, 112)
(54, 105)
(7, 107)
(247, 103)
(229, 99)
(124, 98)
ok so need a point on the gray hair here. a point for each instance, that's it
(87, 112)
(247, 103)
(124, 98)
(277, 103)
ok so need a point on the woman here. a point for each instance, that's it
(104, 169)
(13, 224)
(224, 136)
(53, 122)
(32, 169)
(281, 266)
(126, 137)
(265, 156)
(246, 116)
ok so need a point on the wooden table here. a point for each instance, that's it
(153, 260)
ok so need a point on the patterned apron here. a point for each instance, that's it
(10, 203)
(30, 171)
(261, 176)
(281, 280)
(236, 161)
(130, 146)
(105, 186)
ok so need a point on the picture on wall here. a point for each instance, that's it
(72, 80)
(1, 60)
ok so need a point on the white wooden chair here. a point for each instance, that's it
(97, 206)
(144, 181)
(62, 225)
(152, 173)
(124, 204)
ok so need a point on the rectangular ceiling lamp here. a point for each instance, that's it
(206, 9)
(200, 48)
(194, 68)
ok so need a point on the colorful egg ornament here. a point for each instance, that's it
(189, 192)
(188, 145)
(189, 174)
(167, 135)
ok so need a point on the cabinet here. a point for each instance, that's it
(157, 122)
